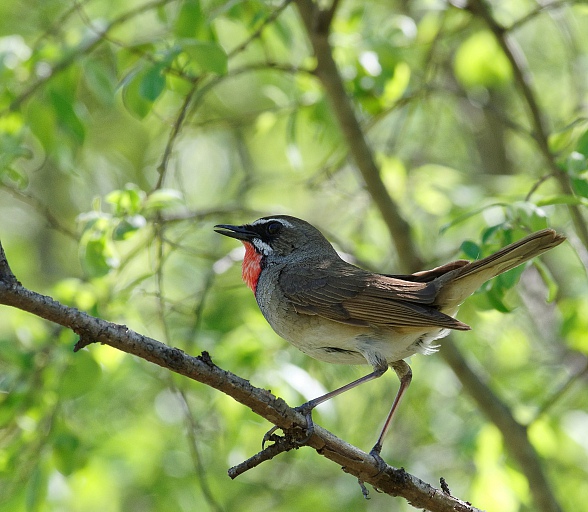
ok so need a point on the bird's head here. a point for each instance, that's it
(276, 239)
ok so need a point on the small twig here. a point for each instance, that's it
(562, 390)
(444, 486)
(281, 445)
(537, 184)
(42, 209)
(257, 33)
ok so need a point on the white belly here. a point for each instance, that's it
(340, 343)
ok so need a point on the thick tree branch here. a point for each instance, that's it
(363, 466)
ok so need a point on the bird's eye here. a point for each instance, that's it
(273, 228)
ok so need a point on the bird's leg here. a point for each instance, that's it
(405, 375)
(306, 408)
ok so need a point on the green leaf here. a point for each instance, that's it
(163, 199)
(479, 61)
(190, 21)
(67, 117)
(206, 55)
(96, 257)
(132, 98)
(529, 214)
(80, 376)
(10, 174)
(68, 453)
(471, 249)
(552, 287)
(507, 280)
(580, 186)
(128, 227)
(582, 144)
(96, 249)
(127, 201)
(152, 82)
(496, 297)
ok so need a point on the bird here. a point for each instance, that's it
(340, 313)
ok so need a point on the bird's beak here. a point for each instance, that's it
(238, 232)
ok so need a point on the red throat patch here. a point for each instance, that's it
(251, 266)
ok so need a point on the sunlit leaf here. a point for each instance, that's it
(479, 61)
(128, 226)
(206, 55)
(127, 201)
(163, 199)
(190, 20)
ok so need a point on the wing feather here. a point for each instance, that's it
(344, 293)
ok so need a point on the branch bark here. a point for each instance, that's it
(393, 481)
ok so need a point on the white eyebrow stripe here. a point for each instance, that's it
(283, 222)
(261, 246)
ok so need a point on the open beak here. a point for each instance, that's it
(238, 232)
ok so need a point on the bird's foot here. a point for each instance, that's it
(269, 436)
(306, 410)
(381, 463)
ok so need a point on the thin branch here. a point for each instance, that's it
(395, 482)
(173, 135)
(257, 33)
(90, 45)
(281, 445)
(42, 209)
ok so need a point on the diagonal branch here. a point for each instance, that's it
(364, 467)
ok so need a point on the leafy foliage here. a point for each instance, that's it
(128, 129)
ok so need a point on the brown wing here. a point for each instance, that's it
(345, 293)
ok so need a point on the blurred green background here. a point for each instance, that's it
(128, 129)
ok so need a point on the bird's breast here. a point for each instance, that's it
(336, 342)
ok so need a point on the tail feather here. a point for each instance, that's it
(457, 285)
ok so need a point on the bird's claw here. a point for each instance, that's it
(269, 436)
(381, 463)
(303, 409)
(307, 411)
